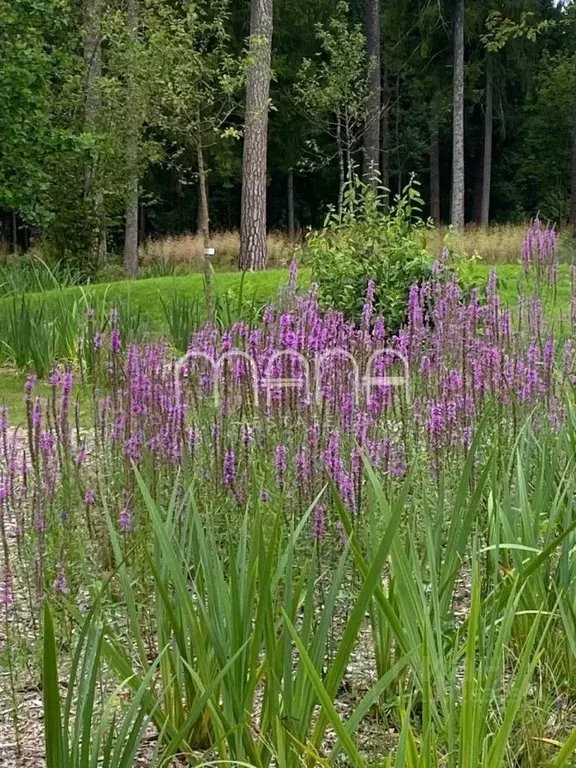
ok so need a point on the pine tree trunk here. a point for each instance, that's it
(253, 212)
(290, 204)
(488, 130)
(372, 131)
(92, 12)
(132, 141)
(385, 141)
(435, 171)
(458, 189)
(573, 195)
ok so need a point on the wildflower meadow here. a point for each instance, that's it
(306, 540)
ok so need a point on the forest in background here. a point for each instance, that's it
(128, 119)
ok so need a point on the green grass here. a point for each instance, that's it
(12, 396)
(145, 295)
(258, 287)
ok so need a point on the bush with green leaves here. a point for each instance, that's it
(364, 242)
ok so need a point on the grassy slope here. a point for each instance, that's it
(145, 295)
(260, 287)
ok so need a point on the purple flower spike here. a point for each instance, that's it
(230, 468)
(280, 465)
(319, 522)
(90, 497)
(125, 520)
(60, 583)
(115, 341)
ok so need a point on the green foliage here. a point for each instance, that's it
(364, 242)
(545, 166)
(228, 632)
(79, 733)
(182, 318)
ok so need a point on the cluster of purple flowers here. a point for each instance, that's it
(539, 251)
(304, 395)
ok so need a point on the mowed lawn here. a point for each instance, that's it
(256, 288)
(145, 296)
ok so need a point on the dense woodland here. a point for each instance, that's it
(127, 119)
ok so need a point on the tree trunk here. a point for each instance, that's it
(385, 142)
(132, 141)
(290, 204)
(92, 12)
(14, 233)
(372, 131)
(142, 232)
(397, 137)
(204, 230)
(476, 174)
(435, 171)
(458, 189)
(253, 211)
(488, 125)
(203, 221)
(573, 195)
(341, 167)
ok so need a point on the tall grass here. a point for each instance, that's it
(162, 256)
(31, 274)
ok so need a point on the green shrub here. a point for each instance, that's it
(365, 242)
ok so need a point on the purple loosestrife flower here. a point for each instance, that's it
(303, 467)
(230, 468)
(29, 386)
(60, 584)
(97, 341)
(247, 435)
(67, 381)
(47, 443)
(264, 496)
(37, 414)
(125, 520)
(54, 379)
(319, 527)
(193, 436)
(115, 341)
(280, 463)
(90, 497)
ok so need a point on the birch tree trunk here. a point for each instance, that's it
(488, 131)
(372, 131)
(458, 188)
(92, 44)
(253, 210)
(132, 142)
